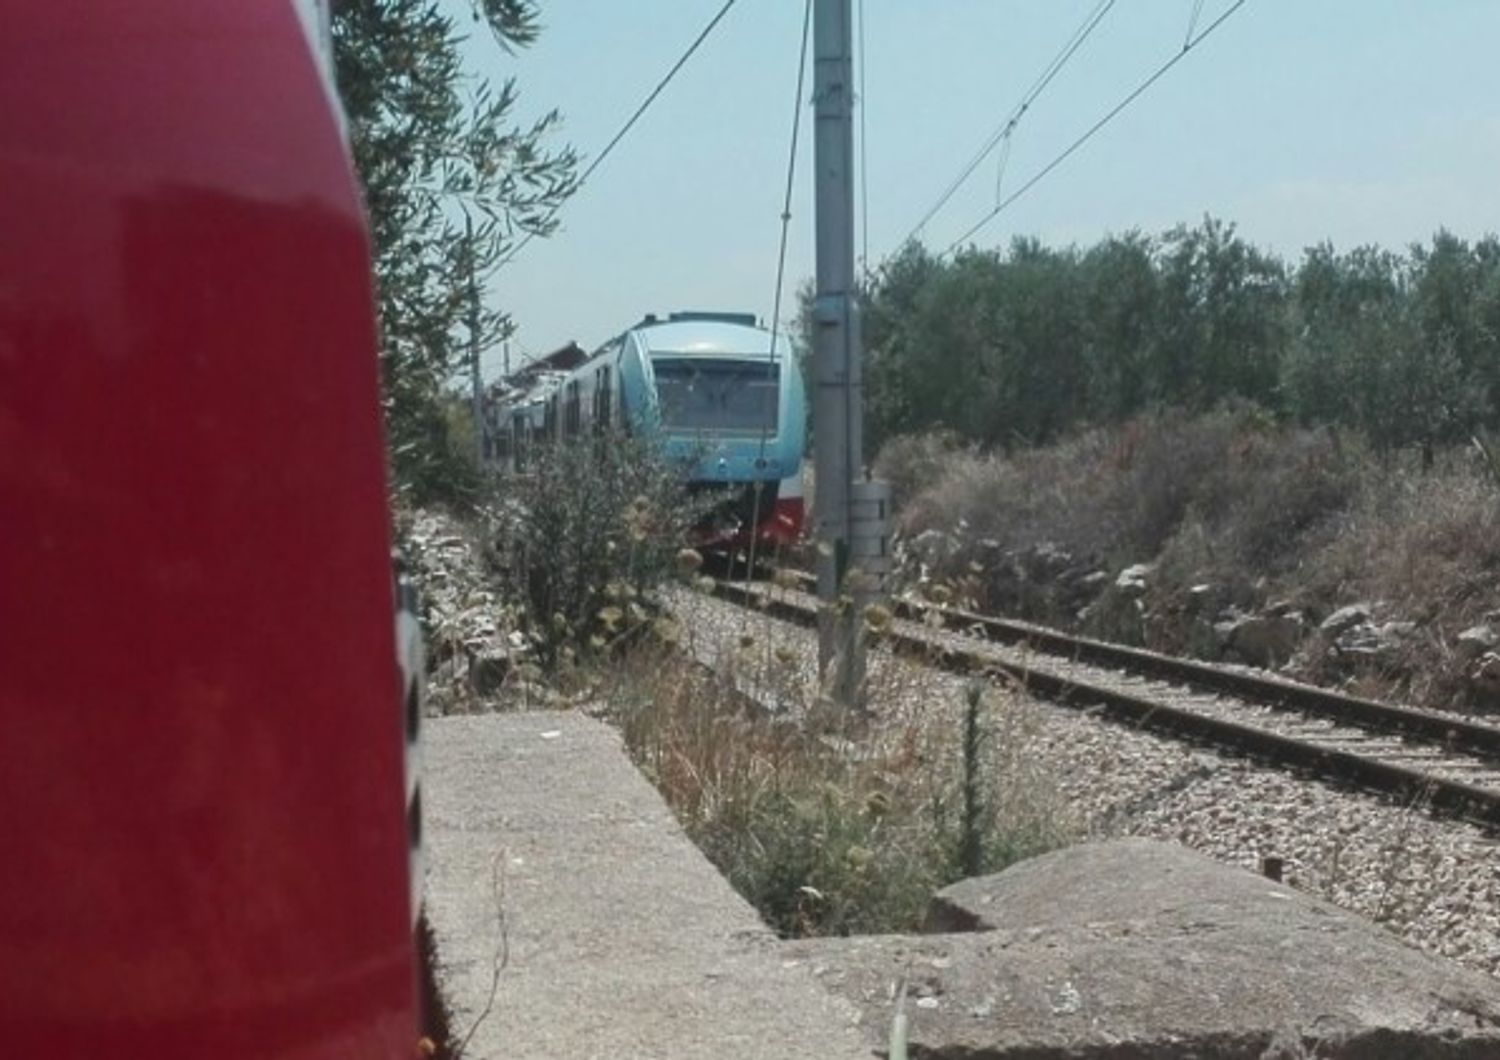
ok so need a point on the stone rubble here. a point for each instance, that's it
(472, 654)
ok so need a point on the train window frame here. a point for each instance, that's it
(666, 365)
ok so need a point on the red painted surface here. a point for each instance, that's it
(201, 783)
(780, 527)
(784, 526)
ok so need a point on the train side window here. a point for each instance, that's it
(571, 414)
(603, 405)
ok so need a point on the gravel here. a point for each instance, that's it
(1436, 883)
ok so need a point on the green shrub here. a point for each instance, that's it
(583, 538)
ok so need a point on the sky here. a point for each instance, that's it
(1354, 121)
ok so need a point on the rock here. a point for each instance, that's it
(1346, 618)
(1372, 644)
(488, 670)
(1262, 640)
(1363, 639)
(1045, 562)
(1475, 641)
(1132, 580)
(933, 546)
(1093, 581)
(1134, 948)
(1484, 678)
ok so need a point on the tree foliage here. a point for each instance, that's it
(451, 183)
(1021, 345)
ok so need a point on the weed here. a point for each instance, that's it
(584, 537)
(830, 828)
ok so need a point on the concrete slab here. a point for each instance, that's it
(623, 940)
(1139, 949)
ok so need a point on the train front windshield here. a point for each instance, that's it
(705, 395)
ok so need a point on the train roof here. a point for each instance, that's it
(709, 338)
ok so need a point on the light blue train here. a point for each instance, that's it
(721, 394)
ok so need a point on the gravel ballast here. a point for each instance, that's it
(1436, 883)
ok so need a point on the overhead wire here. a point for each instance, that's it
(786, 222)
(1093, 129)
(1192, 22)
(1004, 130)
(629, 123)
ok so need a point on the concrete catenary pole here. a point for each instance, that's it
(838, 399)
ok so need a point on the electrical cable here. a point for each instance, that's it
(1192, 23)
(786, 221)
(1004, 130)
(1100, 124)
(629, 123)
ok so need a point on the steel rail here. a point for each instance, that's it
(1441, 795)
(1429, 725)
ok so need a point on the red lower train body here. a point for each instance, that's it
(772, 521)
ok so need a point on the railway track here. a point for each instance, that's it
(1449, 765)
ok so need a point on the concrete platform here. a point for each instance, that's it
(1138, 949)
(623, 940)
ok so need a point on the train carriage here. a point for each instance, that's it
(722, 396)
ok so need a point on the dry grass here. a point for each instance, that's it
(1229, 500)
(831, 824)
